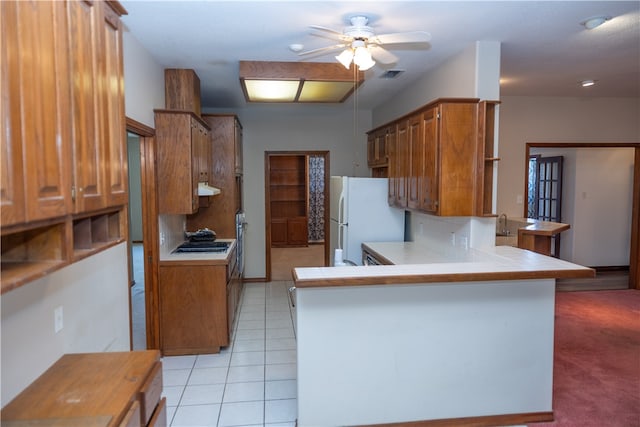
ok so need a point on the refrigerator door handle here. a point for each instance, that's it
(341, 235)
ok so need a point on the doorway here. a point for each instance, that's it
(143, 241)
(634, 231)
(296, 211)
(544, 195)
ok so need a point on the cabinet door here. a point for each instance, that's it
(238, 146)
(392, 151)
(112, 106)
(45, 121)
(193, 308)
(278, 231)
(402, 165)
(429, 183)
(415, 142)
(88, 150)
(12, 208)
(298, 231)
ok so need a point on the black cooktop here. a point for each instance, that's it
(203, 246)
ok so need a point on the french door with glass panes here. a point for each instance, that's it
(545, 192)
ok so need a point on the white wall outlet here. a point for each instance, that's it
(519, 199)
(162, 238)
(58, 321)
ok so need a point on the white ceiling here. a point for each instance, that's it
(545, 50)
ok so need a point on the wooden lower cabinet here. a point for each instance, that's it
(197, 306)
(289, 231)
(111, 389)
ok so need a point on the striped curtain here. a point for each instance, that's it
(316, 199)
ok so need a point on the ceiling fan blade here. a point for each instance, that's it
(409, 37)
(382, 55)
(331, 32)
(323, 49)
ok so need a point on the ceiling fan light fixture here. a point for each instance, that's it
(362, 58)
(595, 22)
(345, 58)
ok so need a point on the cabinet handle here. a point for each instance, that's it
(291, 290)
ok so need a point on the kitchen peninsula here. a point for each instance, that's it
(459, 334)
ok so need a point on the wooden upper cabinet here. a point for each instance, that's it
(377, 148)
(442, 159)
(182, 90)
(114, 133)
(179, 137)
(391, 143)
(429, 185)
(88, 149)
(415, 142)
(35, 114)
(225, 169)
(237, 145)
(12, 207)
(401, 163)
(63, 146)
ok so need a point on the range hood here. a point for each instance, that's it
(204, 189)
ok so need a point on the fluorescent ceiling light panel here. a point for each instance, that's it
(306, 82)
(325, 91)
(272, 90)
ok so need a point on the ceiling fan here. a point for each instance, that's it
(362, 45)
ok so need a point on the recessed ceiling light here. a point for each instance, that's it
(594, 22)
(296, 47)
(587, 83)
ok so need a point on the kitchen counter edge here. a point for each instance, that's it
(500, 263)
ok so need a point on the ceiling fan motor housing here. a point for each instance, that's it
(359, 28)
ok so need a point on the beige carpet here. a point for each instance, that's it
(283, 260)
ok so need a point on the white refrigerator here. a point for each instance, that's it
(359, 213)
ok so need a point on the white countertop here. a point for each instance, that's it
(209, 257)
(418, 264)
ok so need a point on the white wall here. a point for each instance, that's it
(93, 294)
(282, 128)
(597, 197)
(555, 119)
(143, 81)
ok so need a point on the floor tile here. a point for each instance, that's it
(244, 392)
(173, 394)
(250, 334)
(280, 372)
(246, 358)
(175, 376)
(278, 411)
(249, 345)
(279, 323)
(280, 344)
(196, 415)
(279, 333)
(239, 374)
(251, 315)
(287, 389)
(220, 360)
(241, 413)
(250, 324)
(178, 362)
(202, 394)
(208, 376)
(285, 314)
(280, 356)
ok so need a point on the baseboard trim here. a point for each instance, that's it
(254, 279)
(484, 421)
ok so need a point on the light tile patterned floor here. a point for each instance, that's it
(250, 383)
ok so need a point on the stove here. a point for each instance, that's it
(204, 246)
